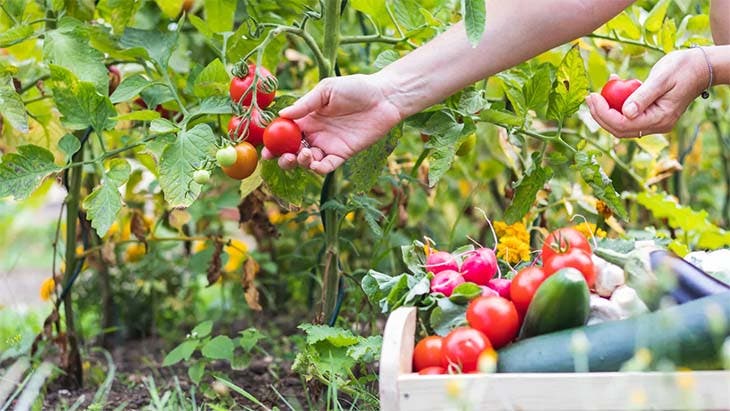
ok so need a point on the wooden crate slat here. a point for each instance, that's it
(12, 377)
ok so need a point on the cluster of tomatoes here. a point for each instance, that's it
(255, 126)
(494, 318)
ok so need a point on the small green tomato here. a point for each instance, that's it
(226, 156)
(201, 176)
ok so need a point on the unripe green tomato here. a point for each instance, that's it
(226, 157)
(468, 145)
(201, 176)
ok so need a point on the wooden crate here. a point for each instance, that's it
(402, 390)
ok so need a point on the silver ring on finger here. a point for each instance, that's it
(641, 134)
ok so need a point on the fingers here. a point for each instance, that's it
(327, 165)
(308, 103)
(643, 97)
(288, 161)
(651, 121)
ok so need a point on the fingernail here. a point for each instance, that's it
(631, 110)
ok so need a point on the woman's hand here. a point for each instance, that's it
(674, 81)
(340, 117)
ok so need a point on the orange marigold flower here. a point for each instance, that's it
(513, 249)
(47, 287)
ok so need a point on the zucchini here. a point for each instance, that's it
(562, 301)
(687, 335)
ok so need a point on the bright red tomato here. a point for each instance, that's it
(462, 347)
(241, 85)
(563, 240)
(524, 286)
(246, 160)
(432, 371)
(282, 136)
(237, 126)
(496, 317)
(575, 258)
(429, 353)
(617, 91)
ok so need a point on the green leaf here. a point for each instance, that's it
(170, 8)
(202, 26)
(625, 26)
(601, 184)
(219, 348)
(472, 101)
(219, 14)
(386, 57)
(203, 329)
(367, 349)
(366, 166)
(407, 13)
(502, 118)
(446, 316)
(118, 13)
(68, 46)
(212, 105)
(571, 86)
(81, 105)
(443, 150)
(249, 338)
(465, 292)
(129, 88)
(103, 204)
(376, 9)
(289, 185)
(391, 292)
(668, 35)
(475, 17)
(159, 45)
(15, 35)
(212, 81)
(180, 159)
(139, 115)
(252, 182)
(656, 16)
(12, 108)
(526, 191)
(69, 144)
(22, 172)
(337, 337)
(537, 88)
(163, 126)
(181, 352)
(196, 371)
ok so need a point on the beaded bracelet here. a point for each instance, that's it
(706, 92)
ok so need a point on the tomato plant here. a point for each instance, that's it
(241, 89)
(245, 164)
(252, 128)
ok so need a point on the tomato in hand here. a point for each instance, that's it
(563, 240)
(462, 347)
(496, 317)
(441, 261)
(282, 136)
(524, 286)
(238, 126)
(240, 87)
(432, 371)
(574, 258)
(429, 353)
(617, 91)
(246, 160)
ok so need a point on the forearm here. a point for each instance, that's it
(719, 57)
(720, 21)
(515, 31)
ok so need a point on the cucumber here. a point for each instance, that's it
(562, 301)
(685, 334)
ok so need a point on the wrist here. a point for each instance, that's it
(719, 58)
(404, 91)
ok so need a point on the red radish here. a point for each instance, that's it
(501, 286)
(479, 266)
(488, 292)
(445, 282)
(441, 261)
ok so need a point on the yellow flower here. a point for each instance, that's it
(237, 252)
(134, 252)
(513, 249)
(47, 287)
(276, 217)
(464, 188)
(517, 230)
(198, 246)
(350, 216)
(589, 230)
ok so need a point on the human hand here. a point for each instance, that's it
(674, 81)
(339, 118)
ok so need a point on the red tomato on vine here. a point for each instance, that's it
(241, 89)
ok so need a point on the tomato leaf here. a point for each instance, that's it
(12, 109)
(656, 16)
(601, 184)
(252, 182)
(219, 14)
(180, 159)
(170, 8)
(571, 86)
(103, 204)
(159, 45)
(69, 144)
(213, 80)
(68, 47)
(366, 166)
(118, 13)
(81, 105)
(181, 352)
(406, 12)
(475, 18)
(526, 191)
(130, 87)
(15, 35)
(289, 185)
(501, 118)
(22, 172)
(386, 57)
